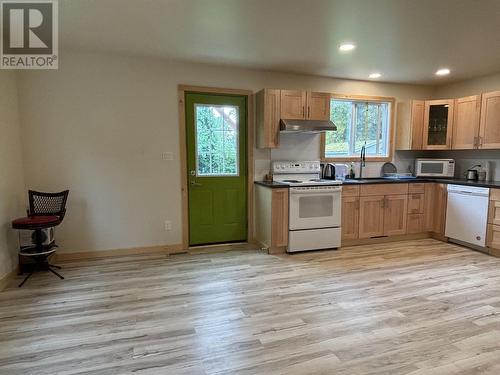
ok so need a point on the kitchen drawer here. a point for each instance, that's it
(416, 188)
(416, 203)
(350, 191)
(384, 189)
(415, 223)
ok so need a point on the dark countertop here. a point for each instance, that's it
(271, 184)
(370, 181)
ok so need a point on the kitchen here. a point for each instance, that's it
(251, 187)
(427, 196)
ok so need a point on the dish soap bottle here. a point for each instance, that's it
(352, 174)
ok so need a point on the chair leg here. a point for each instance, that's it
(53, 265)
(55, 273)
(26, 278)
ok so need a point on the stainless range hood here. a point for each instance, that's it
(306, 126)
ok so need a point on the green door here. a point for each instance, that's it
(217, 168)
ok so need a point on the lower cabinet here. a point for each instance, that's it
(371, 216)
(382, 215)
(493, 234)
(271, 218)
(415, 223)
(395, 212)
(396, 209)
(350, 218)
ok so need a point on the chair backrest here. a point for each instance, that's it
(44, 204)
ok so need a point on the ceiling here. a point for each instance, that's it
(404, 40)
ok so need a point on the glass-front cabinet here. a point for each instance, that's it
(438, 124)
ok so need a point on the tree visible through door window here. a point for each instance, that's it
(358, 123)
(216, 140)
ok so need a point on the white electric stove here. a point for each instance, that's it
(314, 205)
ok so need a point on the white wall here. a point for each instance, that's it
(99, 124)
(12, 189)
(469, 87)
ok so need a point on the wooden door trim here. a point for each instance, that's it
(181, 90)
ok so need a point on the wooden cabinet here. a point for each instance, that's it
(435, 200)
(489, 132)
(350, 218)
(272, 105)
(268, 118)
(318, 106)
(293, 104)
(438, 124)
(279, 218)
(493, 233)
(395, 211)
(466, 123)
(415, 224)
(410, 125)
(383, 210)
(416, 203)
(271, 218)
(371, 216)
(300, 105)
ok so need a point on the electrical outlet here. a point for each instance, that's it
(167, 155)
(168, 225)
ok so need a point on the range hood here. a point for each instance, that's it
(306, 126)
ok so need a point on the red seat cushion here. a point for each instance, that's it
(30, 222)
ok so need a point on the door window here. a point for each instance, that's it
(216, 145)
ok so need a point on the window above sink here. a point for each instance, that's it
(360, 121)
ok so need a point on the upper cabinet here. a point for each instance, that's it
(489, 131)
(293, 104)
(268, 111)
(318, 105)
(274, 104)
(466, 123)
(410, 125)
(438, 124)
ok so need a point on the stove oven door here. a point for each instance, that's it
(315, 207)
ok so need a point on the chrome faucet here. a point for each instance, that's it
(362, 162)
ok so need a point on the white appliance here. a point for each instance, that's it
(314, 205)
(435, 167)
(467, 215)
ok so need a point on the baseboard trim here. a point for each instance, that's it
(377, 240)
(149, 250)
(5, 281)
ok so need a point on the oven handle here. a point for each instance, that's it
(313, 191)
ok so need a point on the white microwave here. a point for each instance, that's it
(434, 167)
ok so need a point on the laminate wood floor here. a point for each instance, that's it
(417, 307)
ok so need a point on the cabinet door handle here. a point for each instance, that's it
(308, 112)
(475, 143)
(480, 142)
(303, 110)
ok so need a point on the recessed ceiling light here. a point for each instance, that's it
(344, 47)
(443, 72)
(375, 75)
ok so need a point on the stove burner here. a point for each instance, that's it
(292, 181)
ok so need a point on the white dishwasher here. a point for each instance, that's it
(467, 214)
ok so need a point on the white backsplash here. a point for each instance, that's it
(307, 147)
(300, 146)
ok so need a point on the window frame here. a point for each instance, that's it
(391, 130)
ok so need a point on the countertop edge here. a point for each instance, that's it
(486, 184)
